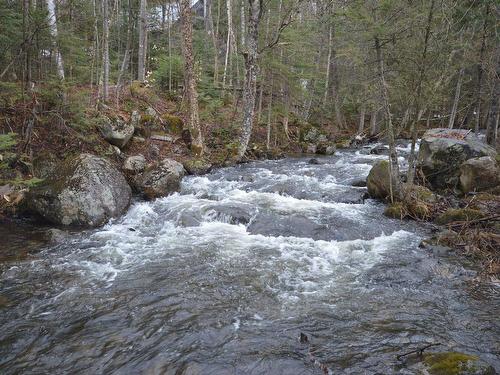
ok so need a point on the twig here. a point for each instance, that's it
(468, 222)
(420, 351)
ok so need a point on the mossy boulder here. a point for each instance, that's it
(343, 143)
(325, 148)
(479, 174)
(454, 363)
(174, 124)
(458, 214)
(85, 190)
(197, 166)
(378, 181)
(442, 152)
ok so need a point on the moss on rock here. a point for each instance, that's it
(458, 214)
(395, 210)
(453, 363)
(173, 123)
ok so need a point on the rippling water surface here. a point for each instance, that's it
(222, 278)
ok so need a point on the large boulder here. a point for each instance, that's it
(378, 181)
(160, 179)
(479, 174)
(442, 152)
(197, 166)
(84, 190)
(116, 131)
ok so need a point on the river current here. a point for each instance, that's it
(223, 277)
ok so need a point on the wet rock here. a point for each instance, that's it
(454, 363)
(84, 190)
(479, 174)
(378, 180)
(325, 149)
(359, 183)
(442, 152)
(458, 214)
(56, 235)
(310, 148)
(312, 134)
(378, 150)
(343, 143)
(134, 164)
(116, 131)
(313, 162)
(160, 179)
(197, 167)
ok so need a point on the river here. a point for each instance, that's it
(223, 277)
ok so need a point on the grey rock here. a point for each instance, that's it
(116, 131)
(134, 164)
(160, 179)
(479, 174)
(84, 190)
(378, 180)
(442, 152)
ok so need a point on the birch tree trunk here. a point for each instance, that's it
(393, 156)
(362, 114)
(373, 122)
(328, 63)
(105, 50)
(126, 55)
(453, 113)
(249, 86)
(480, 73)
(52, 21)
(269, 113)
(209, 25)
(190, 80)
(141, 57)
(228, 41)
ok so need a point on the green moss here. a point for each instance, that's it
(174, 123)
(395, 210)
(458, 214)
(450, 363)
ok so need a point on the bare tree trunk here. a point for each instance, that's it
(269, 113)
(249, 86)
(286, 115)
(229, 41)
(209, 25)
(169, 47)
(413, 126)
(393, 156)
(373, 122)
(105, 49)
(141, 60)
(453, 113)
(492, 123)
(480, 72)
(126, 55)
(328, 63)
(52, 20)
(362, 115)
(190, 87)
(261, 96)
(242, 21)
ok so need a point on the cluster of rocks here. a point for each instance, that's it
(450, 160)
(88, 190)
(313, 141)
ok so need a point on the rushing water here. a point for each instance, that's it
(223, 277)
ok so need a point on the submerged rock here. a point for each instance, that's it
(84, 190)
(442, 152)
(160, 179)
(454, 363)
(479, 174)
